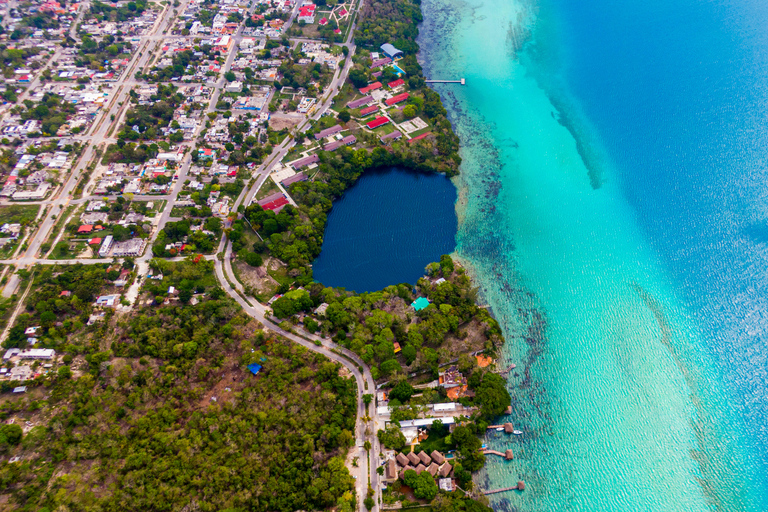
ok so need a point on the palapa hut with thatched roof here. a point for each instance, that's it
(406, 468)
(420, 469)
(437, 457)
(521, 485)
(433, 469)
(509, 428)
(391, 470)
(445, 470)
(414, 459)
(402, 459)
(509, 455)
(425, 459)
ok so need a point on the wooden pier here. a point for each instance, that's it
(493, 452)
(504, 373)
(462, 81)
(505, 489)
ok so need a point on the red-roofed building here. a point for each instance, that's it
(95, 241)
(337, 31)
(371, 87)
(98, 227)
(379, 121)
(343, 12)
(396, 83)
(323, 22)
(419, 137)
(397, 99)
(276, 204)
(368, 110)
(85, 228)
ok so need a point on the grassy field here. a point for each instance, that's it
(269, 187)
(18, 213)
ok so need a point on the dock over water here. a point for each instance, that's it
(505, 489)
(461, 81)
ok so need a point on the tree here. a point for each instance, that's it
(344, 116)
(390, 367)
(409, 111)
(254, 259)
(493, 395)
(230, 76)
(391, 438)
(10, 435)
(425, 487)
(409, 353)
(402, 392)
(358, 78)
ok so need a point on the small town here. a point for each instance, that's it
(161, 159)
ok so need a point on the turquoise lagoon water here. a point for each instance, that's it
(611, 206)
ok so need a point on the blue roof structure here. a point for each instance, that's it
(420, 303)
(254, 368)
(390, 51)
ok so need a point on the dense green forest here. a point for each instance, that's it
(157, 411)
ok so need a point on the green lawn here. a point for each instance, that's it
(18, 213)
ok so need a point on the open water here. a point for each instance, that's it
(613, 207)
(386, 228)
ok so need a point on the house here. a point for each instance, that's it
(371, 87)
(299, 176)
(106, 246)
(395, 135)
(365, 100)
(30, 331)
(95, 241)
(438, 457)
(391, 52)
(397, 83)
(206, 154)
(333, 130)
(85, 228)
(132, 247)
(303, 162)
(402, 459)
(20, 373)
(391, 470)
(346, 141)
(378, 63)
(413, 459)
(424, 458)
(20, 389)
(107, 301)
(379, 121)
(397, 99)
(451, 378)
(94, 218)
(368, 110)
(420, 303)
(37, 353)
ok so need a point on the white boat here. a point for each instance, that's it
(517, 432)
(500, 429)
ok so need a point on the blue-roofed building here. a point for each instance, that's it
(254, 368)
(420, 303)
(391, 52)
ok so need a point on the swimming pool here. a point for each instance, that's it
(399, 71)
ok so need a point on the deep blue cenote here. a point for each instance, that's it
(386, 228)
